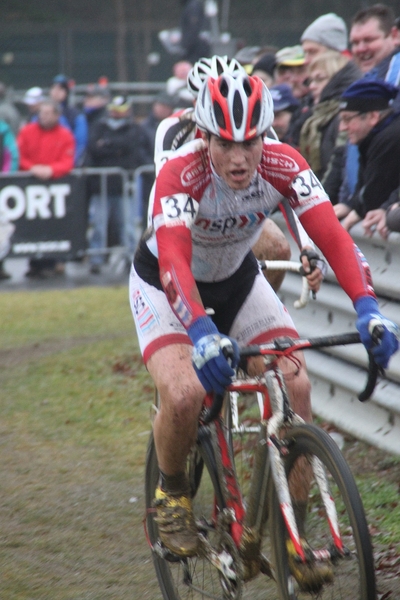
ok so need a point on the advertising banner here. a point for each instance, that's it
(43, 218)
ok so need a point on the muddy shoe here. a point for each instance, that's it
(176, 524)
(310, 576)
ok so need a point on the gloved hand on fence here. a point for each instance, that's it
(214, 370)
(368, 311)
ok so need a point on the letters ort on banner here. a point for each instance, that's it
(48, 218)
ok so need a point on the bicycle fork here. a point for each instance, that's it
(282, 414)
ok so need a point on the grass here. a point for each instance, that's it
(75, 413)
(75, 404)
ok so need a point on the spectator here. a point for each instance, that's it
(8, 163)
(285, 106)
(264, 68)
(70, 116)
(9, 155)
(163, 107)
(370, 122)
(177, 83)
(328, 32)
(8, 112)
(95, 102)
(291, 69)
(46, 150)
(247, 56)
(193, 22)
(374, 40)
(330, 73)
(115, 141)
(32, 100)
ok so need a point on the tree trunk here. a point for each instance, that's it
(120, 49)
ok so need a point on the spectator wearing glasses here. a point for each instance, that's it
(371, 123)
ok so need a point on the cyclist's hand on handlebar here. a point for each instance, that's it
(368, 317)
(314, 268)
(214, 356)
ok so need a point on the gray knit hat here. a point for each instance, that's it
(328, 30)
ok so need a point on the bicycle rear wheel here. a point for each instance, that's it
(193, 578)
(354, 573)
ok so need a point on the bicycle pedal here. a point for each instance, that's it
(164, 553)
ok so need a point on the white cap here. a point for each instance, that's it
(33, 96)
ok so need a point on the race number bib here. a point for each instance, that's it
(179, 209)
(308, 192)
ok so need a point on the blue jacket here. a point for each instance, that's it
(9, 155)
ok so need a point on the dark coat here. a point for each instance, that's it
(378, 173)
(110, 147)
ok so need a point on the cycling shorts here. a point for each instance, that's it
(258, 318)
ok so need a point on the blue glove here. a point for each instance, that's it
(213, 369)
(368, 310)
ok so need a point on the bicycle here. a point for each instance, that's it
(241, 476)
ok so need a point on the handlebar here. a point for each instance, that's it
(284, 346)
(294, 267)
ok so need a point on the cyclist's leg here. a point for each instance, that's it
(272, 245)
(181, 394)
(167, 352)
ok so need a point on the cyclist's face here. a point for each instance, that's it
(235, 162)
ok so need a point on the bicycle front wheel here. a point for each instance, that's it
(353, 571)
(193, 578)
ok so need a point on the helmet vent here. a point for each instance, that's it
(237, 109)
(219, 115)
(247, 87)
(223, 88)
(255, 117)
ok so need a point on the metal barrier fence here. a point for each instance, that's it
(338, 374)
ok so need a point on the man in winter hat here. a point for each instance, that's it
(328, 32)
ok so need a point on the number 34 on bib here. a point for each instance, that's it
(179, 209)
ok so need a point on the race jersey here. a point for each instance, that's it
(202, 229)
(181, 128)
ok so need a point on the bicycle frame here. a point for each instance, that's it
(275, 414)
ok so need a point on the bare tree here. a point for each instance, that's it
(120, 49)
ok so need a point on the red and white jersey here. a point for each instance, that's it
(181, 128)
(202, 229)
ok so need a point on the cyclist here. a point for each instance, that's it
(180, 128)
(211, 197)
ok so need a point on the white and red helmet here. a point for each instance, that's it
(234, 107)
(211, 67)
